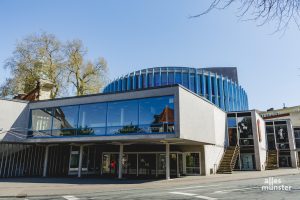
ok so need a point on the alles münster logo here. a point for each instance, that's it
(275, 184)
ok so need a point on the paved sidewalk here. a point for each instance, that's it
(22, 187)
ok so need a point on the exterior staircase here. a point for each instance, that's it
(272, 159)
(228, 160)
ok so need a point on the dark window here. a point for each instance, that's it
(244, 114)
(269, 123)
(270, 129)
(279, 122)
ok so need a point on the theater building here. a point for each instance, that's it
(153, 123)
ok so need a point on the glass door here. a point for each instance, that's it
(110, 164)
(192, 163)
(247, 161)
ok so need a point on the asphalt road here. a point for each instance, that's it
(236, 189)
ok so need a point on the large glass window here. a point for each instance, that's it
(157, 114)
(92, 119)
(122, 117)
(41, 119)
(297, 137)
(147, 115)
(65, 117)
(231, 121)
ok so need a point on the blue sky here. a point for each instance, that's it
(137, 34)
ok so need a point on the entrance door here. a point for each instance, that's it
(173, 164)
(74, 163)
(247, 161)
(130, 165)
(147, 164)
(285, 161)
(192, 163)
(233, 139)
(110, 164)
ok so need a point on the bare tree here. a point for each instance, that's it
(38, 56)
(87, 77)
(282, 12)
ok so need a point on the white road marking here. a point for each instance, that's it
(199, 186)
(183, 193)
(194, 195)
(70, 197)
(205, 197)
(237, 189)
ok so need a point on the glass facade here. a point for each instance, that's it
(138, 116)
(221, 91)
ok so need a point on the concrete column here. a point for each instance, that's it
(120, 161)
(137, 164)
(177, 165)
(184, 163)
(46, 161)
(80, 161)
(167, 161)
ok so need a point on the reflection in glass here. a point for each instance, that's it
(192, 163)
(150, 115)
(41, 119)
(157, 114)
(92, 115)
(231, 122)
(65, 117)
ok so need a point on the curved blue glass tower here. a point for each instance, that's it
(218, 89)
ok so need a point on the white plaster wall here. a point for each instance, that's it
(200, 120)
(213, 156)
(13, 116)
(294, 157)
(261, 145)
